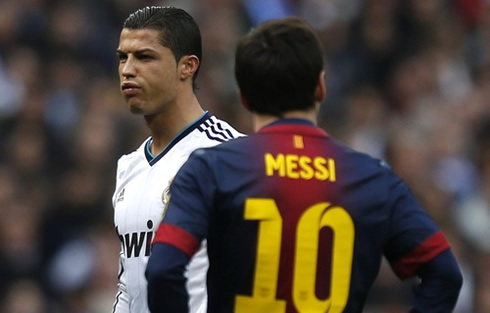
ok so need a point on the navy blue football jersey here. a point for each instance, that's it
(295, 221)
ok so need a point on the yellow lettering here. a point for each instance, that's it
(306, 169)
(300, 167)
(292, 166)
(274, 164)
(331, 166)
(321, 172)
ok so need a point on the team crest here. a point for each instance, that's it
(166, 197)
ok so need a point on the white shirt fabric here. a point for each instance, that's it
(142, 185)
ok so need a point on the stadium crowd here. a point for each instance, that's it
(408, 81)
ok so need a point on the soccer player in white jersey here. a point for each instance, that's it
(159, 57)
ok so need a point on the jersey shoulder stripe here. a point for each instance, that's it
(218, 130)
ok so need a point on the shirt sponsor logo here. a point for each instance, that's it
(137, 243)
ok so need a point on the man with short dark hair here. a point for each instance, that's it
(294, 220)
(159, 57)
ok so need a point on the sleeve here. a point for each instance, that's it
(179, 237)
(186, 221)
(121, 303)
(417, 247)
(441, 281)
(166, 281)
(414, 237)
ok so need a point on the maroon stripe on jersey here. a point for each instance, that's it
(178, 238)
(428, 250)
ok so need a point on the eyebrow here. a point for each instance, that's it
(137, 51)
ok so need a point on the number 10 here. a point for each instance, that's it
(314, 218)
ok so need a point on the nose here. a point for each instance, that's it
(127, 68)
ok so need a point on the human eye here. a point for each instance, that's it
(122, 56)
(144, 56)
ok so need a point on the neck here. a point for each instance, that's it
(166, 125)
(263, 120)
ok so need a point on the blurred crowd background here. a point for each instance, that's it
(408, 82)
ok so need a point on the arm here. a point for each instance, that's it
(166, 279)
(178, 238)
(417, 247)
(121, 303)
(441, 281)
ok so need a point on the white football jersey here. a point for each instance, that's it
(142, 185)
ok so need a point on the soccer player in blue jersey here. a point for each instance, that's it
(159, 57)
(294, 220)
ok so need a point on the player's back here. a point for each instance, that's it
(299, 222)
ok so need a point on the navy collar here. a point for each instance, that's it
(298, 121)
(152, 159)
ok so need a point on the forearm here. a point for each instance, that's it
(441, 281)
(166, 281)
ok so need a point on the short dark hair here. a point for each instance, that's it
(178, 30)
(277, 66)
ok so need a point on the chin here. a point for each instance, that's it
(135, 109)
(134, 106)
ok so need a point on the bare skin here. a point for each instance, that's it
(157, 86)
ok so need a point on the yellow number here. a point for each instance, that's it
(263, 297)
(305, 266)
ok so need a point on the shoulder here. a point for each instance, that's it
(135, 156)
(360, 160)
(217, 130)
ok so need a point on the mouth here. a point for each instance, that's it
(130, 89)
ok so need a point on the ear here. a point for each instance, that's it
(321, 88)
(188, 65)
(243, 101)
